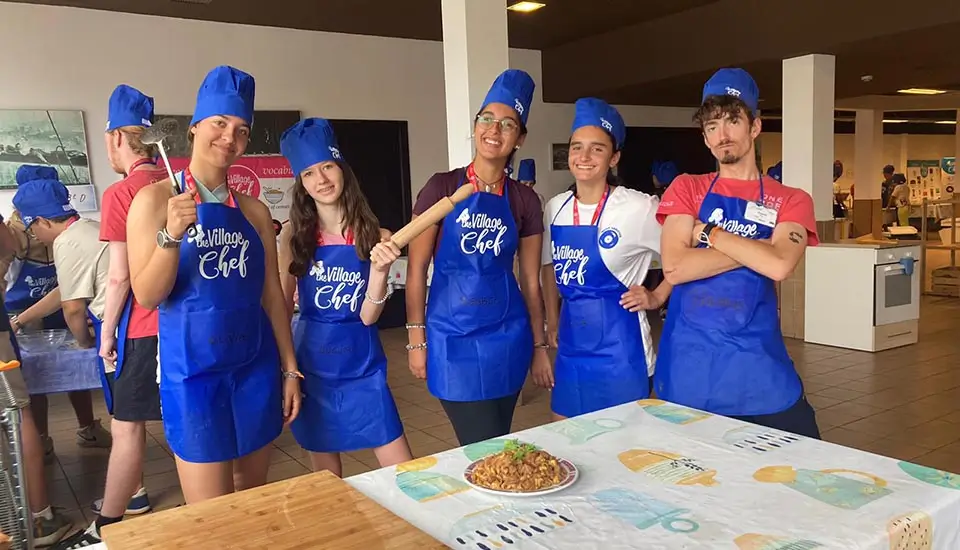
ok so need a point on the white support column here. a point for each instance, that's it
(868, 154)
(475, 52)
(808, 102)
(956, 157)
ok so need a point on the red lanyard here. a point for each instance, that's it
(596, 213)
(348, 237)
(71, 221)
(138, 164)
(190, 183)
(475, 181)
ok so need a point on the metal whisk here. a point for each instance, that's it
(16, 518)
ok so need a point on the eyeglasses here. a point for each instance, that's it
(507, 125)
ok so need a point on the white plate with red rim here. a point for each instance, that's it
(568, 476)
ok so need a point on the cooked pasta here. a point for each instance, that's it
(519, 468)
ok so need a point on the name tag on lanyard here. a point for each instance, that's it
(758, 213)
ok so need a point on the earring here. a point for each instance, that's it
(516, 147)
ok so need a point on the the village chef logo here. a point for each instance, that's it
(569, 265)
(223, 253)
(748, 230)
(40, 286)
(483, 233)
(336, 287)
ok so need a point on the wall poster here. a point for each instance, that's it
(56, 138)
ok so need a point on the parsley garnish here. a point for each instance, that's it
(517, 450)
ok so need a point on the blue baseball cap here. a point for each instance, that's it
(128, 106)
(225, 91)
(527, 170)
(30, 172)
(590, 111)
(665, 172)
(776, 171)
(42, 198)
(513, 88)
(733, 82)
(309, 142)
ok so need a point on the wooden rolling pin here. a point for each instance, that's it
(432, 216)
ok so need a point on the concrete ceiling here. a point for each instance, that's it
(655, 52)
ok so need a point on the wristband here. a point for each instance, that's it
(706, 234)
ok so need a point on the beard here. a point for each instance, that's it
(729, 158)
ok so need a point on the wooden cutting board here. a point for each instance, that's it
(313, 511)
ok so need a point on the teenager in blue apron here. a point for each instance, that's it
(332, 252)
(228, 378)
(476, 338)
(722, 350)
(603, 239)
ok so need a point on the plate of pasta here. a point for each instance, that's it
(521, 470)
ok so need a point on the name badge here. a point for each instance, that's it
(761, 214)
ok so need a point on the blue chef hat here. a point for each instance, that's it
(527, 170)
(590, 111)
(42, 198)
(735, 82)
(128, 107)
(30, 172)
(665, 172)
(513, 88)
(308, 142)
(225, 91)
(776, 171)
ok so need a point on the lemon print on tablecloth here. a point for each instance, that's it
(913, 531)
(422, 486)
(828, 486)
(752, 541)
(931, 475)
(675, 414)
(668, 467)
(483, 449)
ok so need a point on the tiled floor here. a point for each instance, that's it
(902, 403)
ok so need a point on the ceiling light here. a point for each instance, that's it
(921, 91)
(526, 7)
(945, 122)
(893, 121)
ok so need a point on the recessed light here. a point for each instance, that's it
(526, 7)
(866, 77)
(921, 91)
(946, 122)
(893, 121)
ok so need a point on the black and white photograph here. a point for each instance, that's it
(264, 136)
(559, 154)
(56, 138)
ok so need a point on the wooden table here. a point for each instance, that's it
(312, 511)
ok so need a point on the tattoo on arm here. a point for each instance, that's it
(795, 237)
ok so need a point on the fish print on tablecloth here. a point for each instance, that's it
(423, 486)
(931, 476)
(509, 526)
(759, 439)
(753, 541)
(828, 486)
(581, 430)
(913, 531)
(643, 511)
(674, 414)
(668, 468)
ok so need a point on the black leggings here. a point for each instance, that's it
(476, 421)
(799, 419)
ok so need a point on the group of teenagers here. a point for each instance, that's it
(195, 322)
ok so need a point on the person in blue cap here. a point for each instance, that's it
(663, 173)
(334, 251)
(599, 244)
(776, 171)
(207, 257)
(476, 339)
(527, 175)
(722, 350)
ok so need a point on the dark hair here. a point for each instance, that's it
(523, 132)
(63, 218)
(613, 180)
(305, 221)
(719, 106)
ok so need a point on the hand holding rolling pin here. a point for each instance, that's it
(383, 255)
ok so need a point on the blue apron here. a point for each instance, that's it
(107, 377)
(31, 281)
(722, 350)
(601, 360)
(220, 379)
(348, 405)
(479, 341)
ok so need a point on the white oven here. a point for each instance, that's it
(897, 285)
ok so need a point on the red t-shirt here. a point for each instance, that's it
(792, 205)
(113, 228)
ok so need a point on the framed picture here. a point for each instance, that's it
(55, 138)
(559, 154)
(268, 126)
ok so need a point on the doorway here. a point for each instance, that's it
(684, 146)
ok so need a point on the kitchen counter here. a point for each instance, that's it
(851, 243)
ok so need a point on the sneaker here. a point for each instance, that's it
(94, 435)
(49, 527)
(48, 456)
(139, 504)
(81, 539)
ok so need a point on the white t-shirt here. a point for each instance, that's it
(633, 215)
(82, 261)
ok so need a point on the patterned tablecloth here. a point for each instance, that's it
(655, 475)
(60, 369)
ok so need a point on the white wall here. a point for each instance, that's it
(71, 58)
